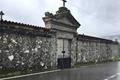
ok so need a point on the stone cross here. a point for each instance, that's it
(1, 15)
(64, 1)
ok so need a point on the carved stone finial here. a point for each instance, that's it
(48, 14)
(1, 15)
(63, 10)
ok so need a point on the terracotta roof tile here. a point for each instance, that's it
(10, 26)
(91, 38)
(22, 24)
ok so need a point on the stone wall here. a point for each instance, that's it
(19, 51)
(115, 50)
(27, 51)
(24, 50)
(96, 51)
(23, 46)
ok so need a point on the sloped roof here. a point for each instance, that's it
(23, 28)
(91, 38)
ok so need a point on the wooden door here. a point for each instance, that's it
(63, 45)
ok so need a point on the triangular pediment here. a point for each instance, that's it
(67, 18)
(62, 20)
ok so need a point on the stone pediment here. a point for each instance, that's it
(62, 16)
(64, 20)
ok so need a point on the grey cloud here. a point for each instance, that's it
(102, 16)
(98, 17)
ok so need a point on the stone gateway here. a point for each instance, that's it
(27, 46)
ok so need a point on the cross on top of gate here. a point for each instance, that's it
(1, 15)
(64, 1)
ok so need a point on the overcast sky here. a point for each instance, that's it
(97, 17)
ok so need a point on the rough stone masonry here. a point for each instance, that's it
(26, 46)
